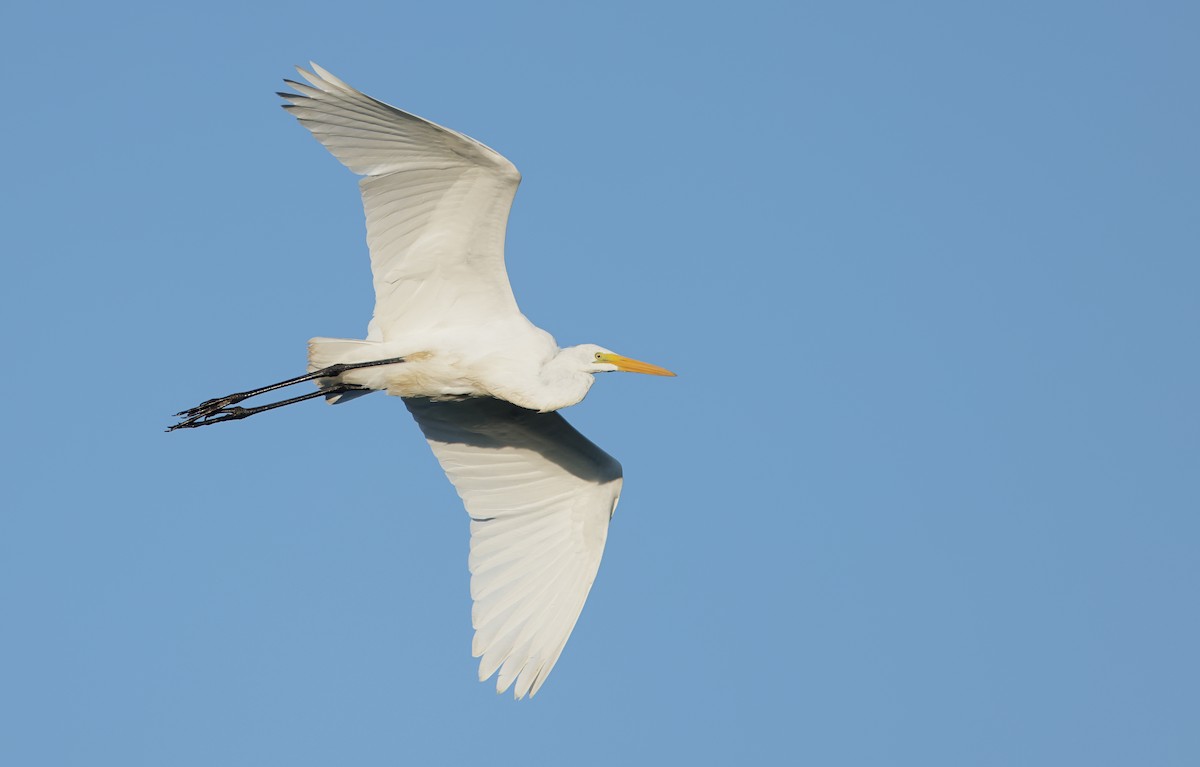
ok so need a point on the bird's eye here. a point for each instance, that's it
(598, 354)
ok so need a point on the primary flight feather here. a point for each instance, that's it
(480, 379)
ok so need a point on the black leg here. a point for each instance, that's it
(204, 413)
(235, 413)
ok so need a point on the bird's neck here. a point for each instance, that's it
(561, 383)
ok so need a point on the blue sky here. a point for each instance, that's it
(925, 492)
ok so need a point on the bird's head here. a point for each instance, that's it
(597, 359)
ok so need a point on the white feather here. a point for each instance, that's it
(530, 578)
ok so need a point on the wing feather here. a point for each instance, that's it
(540, 496)
(436, 205)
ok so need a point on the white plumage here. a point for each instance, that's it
(481, 380)
(540, 496)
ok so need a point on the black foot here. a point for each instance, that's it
(213, 416)
(211, 407)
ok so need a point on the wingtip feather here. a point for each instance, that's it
(326, 74)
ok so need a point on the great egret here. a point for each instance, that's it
(480, 379)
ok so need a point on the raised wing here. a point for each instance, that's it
(540, 496)
(436, 201)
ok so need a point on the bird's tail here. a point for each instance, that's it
(323, 352)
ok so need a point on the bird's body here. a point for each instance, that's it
(480, 379)
(511, 360)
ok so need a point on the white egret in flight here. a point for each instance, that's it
(480, 379)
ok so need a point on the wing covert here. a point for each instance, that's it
(540, 496)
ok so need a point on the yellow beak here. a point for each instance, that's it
(627, 365)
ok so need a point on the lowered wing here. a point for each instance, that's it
(540, 496)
